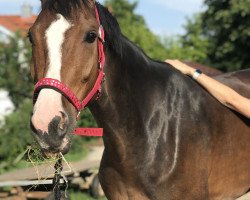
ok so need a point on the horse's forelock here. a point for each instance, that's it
(66, 7)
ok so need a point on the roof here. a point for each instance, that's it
(16, 23)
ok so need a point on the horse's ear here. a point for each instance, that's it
(43, 1)
(92, 2)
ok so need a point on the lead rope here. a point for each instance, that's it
(56, 180)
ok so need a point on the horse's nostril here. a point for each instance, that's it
(63, 124)
(64, 116)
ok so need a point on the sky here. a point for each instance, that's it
(164, 17)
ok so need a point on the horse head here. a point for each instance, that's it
(65, 67)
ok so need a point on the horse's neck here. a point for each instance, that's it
(118, 110)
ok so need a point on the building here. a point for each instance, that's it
(10, 24)
(6, 105)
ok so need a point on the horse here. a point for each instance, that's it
(165, 137)
(208, 70)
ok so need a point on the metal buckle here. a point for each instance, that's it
(100, 34)
(100, 66)
(78, 115)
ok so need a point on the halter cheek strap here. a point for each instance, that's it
(69, 94)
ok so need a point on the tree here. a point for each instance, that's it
(191, 46)
(220, 35)
(174, 48)
(135, 28)
(226, 24)
(14, 75)
(194, 43)
(15, 135)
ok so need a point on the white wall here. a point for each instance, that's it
(6, 106)
(5, 34)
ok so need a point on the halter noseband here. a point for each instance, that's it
(69, 94)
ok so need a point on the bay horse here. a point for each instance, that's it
(165, 137)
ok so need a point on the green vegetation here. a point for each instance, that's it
(135, 28)
(76, 195)
(226, 25)
(14, 71)
(219, 36)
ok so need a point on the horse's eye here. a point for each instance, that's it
(91, 36)
(30, 37)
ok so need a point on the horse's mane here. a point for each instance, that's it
(67, 8)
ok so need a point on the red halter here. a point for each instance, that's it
(69, 94)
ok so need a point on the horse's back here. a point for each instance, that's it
(238, 80)
(230, 158)
(219, 137)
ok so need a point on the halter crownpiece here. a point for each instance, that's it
(69, 94)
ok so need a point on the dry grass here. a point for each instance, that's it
(53, 161)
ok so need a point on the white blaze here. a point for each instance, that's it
(55, 35)
(48, 104)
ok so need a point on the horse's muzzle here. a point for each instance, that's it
(57, 138)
